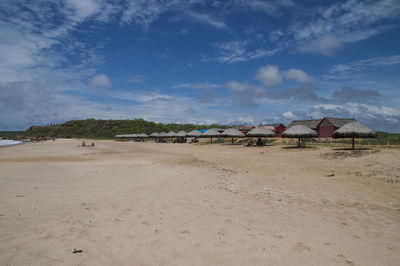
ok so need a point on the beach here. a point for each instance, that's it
(131, 203)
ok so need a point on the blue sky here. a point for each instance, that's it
(233, 61)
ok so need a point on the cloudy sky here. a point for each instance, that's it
(193, 61)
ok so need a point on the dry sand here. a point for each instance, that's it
(181, 204)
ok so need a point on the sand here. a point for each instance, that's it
(185, 204)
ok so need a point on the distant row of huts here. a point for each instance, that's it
(324, 126)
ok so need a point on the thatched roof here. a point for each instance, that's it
(181, 134)
(155, 134)
(142, 135)
(339, 122)
(232, 132)
(170, 134)
(354, 129)
(194, 133)
(299, 131)
(213, 132)
(273, 125)
(312, 123)
(260, 132)
(162, 134)
(241, 127)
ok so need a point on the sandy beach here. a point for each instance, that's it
(126, 203)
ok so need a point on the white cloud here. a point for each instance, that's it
(145, 12)
(269, 76)
(272, 8)
(288, 115)
(325, 45)
(207, 20)
(199, 85)
(327, 30)
(298, 75)
(238, 51)
(244, 93)
(344, 70)
(136, 79)
(83, 9)
(101, 80)
(275, 35)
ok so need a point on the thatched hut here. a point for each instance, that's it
(233, 133)
(299, 131)
(162, 137)
(354, 130)
(260, 132)
(194, 133)
(170, 134)
(156, 136)
(181, 134)
(180, 137)
(212, 132)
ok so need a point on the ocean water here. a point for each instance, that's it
(8, 142)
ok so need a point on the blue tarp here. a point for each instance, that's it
(203, 130)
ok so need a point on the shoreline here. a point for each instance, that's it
(13, 142)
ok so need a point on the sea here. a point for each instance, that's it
(9, 142)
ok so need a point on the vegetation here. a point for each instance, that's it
(387, 138)
(92, 128)
(11, 134)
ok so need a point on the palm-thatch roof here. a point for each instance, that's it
(354, 129)
(338, 122)
(213, 132)
(155, 134)
(260, 132)
(142, 135)
(170, 134)
(181, 134)
(312, 123)
(194, 133)
(299, 131)
(232, 132)
(162, 134)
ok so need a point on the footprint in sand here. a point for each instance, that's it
(341, 256)
(301, 247)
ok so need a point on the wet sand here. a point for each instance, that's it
(125, 203)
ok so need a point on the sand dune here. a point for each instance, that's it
(179, 204)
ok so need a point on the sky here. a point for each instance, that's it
(232, 61)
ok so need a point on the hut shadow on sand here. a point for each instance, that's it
(350, 149)
(297, 147)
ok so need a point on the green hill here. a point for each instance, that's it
(92, 128)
